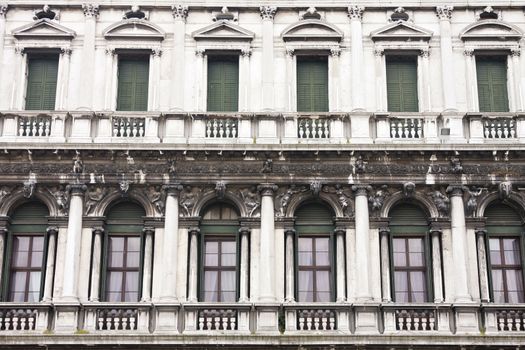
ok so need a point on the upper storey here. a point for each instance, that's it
(243, 74)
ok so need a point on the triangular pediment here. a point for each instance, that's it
(312, 29)
(134, 28)
(221, 30)
(491, 29)
(44, 28)
(401, 30)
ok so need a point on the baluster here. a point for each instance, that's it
(124, 321)
(221, 128)
(509, 321)
(315, 319)
(134, 130)
(392, 130)
(132, 322)
(432, 322)
(501, 322)
(228, 128)
(208, 128)
(108, 323)
(21, 128)
(40, 131)
(307, 129)
(512, 129)
(301, 322)
(416, 323)
(315, 128)
(309, 323)
(499, 132)
(224, 323)
(233, 321)
(215, 128)
(23, 323)
(217, 322)
(492, 130)
(234, 129)
(128, 128)
(201, 323)
(505, 125)
(208, 322)
(100, 323)
(412, 128)
(332, 323)
(419, 128)
(324, 323)
(409, 321)
(327, 129)
(400, 129)
(47, 129)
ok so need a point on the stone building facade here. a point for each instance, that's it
(255, 174)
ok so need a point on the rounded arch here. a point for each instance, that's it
(17, 199)
(514, 201)
(418, 199)
(491, 28)
(209, 198)
(297, 201)
(311, 29)
(115, 197)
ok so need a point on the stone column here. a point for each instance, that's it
(362, 242)
(380, 72)
(425, 100)
(74, 235)
(170, 244)
(340, 259)
(335, 84)
(200, 81)
(290, 265)
(444, 14)
(52, 233)
(244, 80)
(290, 80)
(91, 12)
(193, 272)
(110, 58)
(268, 89)
(470, 71)
(147, 272)
(267, 254)
(244, 277)
(96, 262)
(154, 104)
(384, 234)
(459, 250)
(355, 13)
(63, 79)
(3, 12)
(17, 92)
(481, 233)
(180, 13)
(516, 73)
(3, 239)
(436, 265)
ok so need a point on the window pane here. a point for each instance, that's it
(211, 257)
(495, 255)
(131, 296)
(228, 297)
(116, 244)
(400, 259)
(211, 281)
(33, 297)
(21, 243)
(34, 281)
(321, 244)
(18, 281)
(133, 259)
(133, 244)
(228, 281)
(305, 245)
(211, 296)
(132, 281)
(415, 245)
(512, 251)
(323, 281)
(228, 247)
(323, 297)
(401, 297)
(401, 281)
(322, 259)
(399, 245)
(416, 259)
(514, 280)
(306, 296)
(497, 280)
(306, 282)
(114, 281)
(305, 258)
(418, 297)
(36, 259)
(228, 256)
(116, 259)
(20, 258)
(417, 281)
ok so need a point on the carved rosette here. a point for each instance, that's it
(179, 12)
(444, 12)
(355, 12)
(90, 10)
(268, 12)
(65, 51)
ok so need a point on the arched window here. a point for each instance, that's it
(25, 262)
(410, 254)
(219, 258)
(123, 247)
(505, 242)
(315, 253)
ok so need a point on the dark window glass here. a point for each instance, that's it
(409, 270)
(220, 276)
(26, 268)
(314, 269)
(123, 266)
(507, 273)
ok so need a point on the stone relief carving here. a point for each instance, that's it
(188, 198)
(377, 199)
(179, 11)
(282, 200)
(360, 165)
(5, 191)
(268, 12)
(315, 187)
(356, 12)
(90, 10)
(472, 202)
(444, 12)
(252, 200)
(46, 12)
(267, 166)
(94, 195)
(504, 190)
(123, 186)
(224, 15)
(78, 165)
(409, 188)
(157, 197)
(441, 201)
(344, 195)
(310, 13)
(220, 189)
(61, 196)
(455, 164)
(135, 12)
(28, 188)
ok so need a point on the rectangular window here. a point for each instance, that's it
(410, 280)
(133, 79)
(123, 268)
(314, 269)
(492, 83)
(220, 274)
(506, 270)
(312, 84)
(42, 73)
(401, 78)
(223, 84)
(26, 268)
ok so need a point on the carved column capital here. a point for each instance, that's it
(77, 189)
(469, 52)
(444, 12)
(515, 52)
(148, 230)
(65, 51)
(110, 51)
(90, 10)
(179, 12)
(20, 50)
(244, 231)
(361, 190)
(340, 231)
(425, 53)
(172, 189)
(156, 52)
(436, 231)
(246, 52)
(290, 52)
(267, 189)
(200, 52)
(481, 231)
(97, 230)
(268, 12)
(335, 52)
(455, 190)
(379, 51)
(3, 10)
(193, 231)
(355, 12)
(289, 232)
(52, 230)
(384, 231)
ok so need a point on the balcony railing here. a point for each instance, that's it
(504, 318)
(416, 320)
(217, 317)
(20, 318)
(117, 317)
(249, 128)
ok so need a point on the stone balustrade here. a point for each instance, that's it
(416, 320)
(19, 318)
(254, 128)
(504, 318)
(217, 317)
(117, 317)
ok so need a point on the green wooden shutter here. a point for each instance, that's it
(314, 218)
(223, 84)
(502, 219)
(492, 83)
(125, 217)
(312, 84)
(408, 218)
(42, 76)
(133, 78)
(401, 77)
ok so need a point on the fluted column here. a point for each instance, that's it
(17, 92)
(109, 81)
(470, 71)
(291, 78)
(193, 265)
(244, 277)
(423, 60)
(355, 13)
(96, 262)
(267, 253)
(200, 80)
(244, 80)
(384, 234)
(380, 73)
(481, 233)
(290, 265)
(335, 83)
(516, 75)
(459, 250)
(74, 235)
(268, 90)
(180, 13)
(147, 272)
(154, 101)
(340, 234)
(436, 265)
(63, 79)
(170, 244)
(91, 12)
(444, 14)
(362, 242)
(52, 233)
